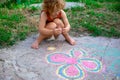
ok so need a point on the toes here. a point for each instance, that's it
(34, 46)
(73, 42)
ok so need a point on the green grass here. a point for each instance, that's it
(72, 0)
(17, 4)
(99, 21)
(13, 27)
(98, 18)
(91, 3)
(114, 7)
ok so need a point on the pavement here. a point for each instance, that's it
(92, 58)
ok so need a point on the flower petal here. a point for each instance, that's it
(71, 61)
(76, 53)
(57, 58)
(71, 72)
(91, 65)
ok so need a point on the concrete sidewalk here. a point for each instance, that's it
(92, 58)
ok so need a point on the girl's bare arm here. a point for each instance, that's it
(42, 25)
(65, 21)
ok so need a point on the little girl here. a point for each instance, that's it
(53, 22)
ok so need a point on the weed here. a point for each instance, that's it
(5, 37)
(114, 7)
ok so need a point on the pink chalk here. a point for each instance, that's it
(58, 58)
(89, 64)
(71, 61)
(72, 71)
(77, 53)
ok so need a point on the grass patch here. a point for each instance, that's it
(13, 27)
(114, 7)
(91, 3)
(72, 0)
(13, 4)
(99, 21)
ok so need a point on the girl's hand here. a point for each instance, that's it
(65, 30)
(57, 31)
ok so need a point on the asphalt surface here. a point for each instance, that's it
(92, 58)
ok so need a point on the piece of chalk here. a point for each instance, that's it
(51, 48)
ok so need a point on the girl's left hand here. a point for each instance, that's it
(65, 30)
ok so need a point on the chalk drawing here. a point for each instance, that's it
(74, 65)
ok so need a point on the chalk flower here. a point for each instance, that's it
(74, 65)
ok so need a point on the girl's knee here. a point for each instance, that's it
(59, 22)
(51, 25)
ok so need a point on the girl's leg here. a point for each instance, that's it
(60, 24)
(38, 41)
(41, 37)
(69, 39)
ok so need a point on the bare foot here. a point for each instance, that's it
(35, 45)
(71, 41)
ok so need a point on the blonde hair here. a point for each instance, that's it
(53, 5)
